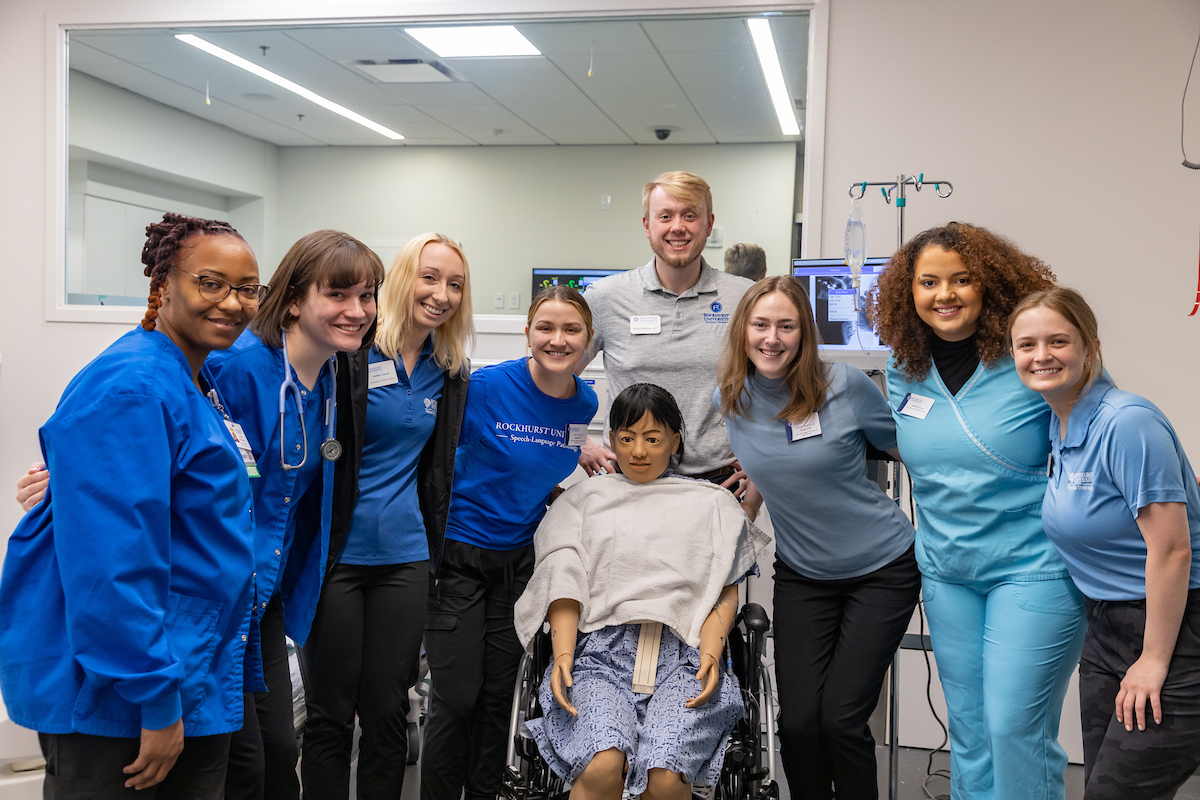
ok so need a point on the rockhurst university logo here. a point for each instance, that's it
(716, 316)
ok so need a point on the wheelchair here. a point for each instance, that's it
(749, 765)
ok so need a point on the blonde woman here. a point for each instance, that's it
(405, 399)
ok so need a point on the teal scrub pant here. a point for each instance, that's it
(1005, 653)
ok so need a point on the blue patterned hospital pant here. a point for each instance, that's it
(652, 730)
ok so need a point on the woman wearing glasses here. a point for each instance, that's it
(278, 382)
(125, 605)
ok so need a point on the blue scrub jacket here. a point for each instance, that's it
(249, 375)
(125, 594)
(978, 464)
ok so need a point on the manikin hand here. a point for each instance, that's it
(560, 681)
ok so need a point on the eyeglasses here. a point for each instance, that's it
(214, 290)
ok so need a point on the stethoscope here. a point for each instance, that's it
(331, 448)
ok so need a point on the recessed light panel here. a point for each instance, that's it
(475, 41)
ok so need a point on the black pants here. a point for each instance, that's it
(362, 656)
(834, 641)
(473, 654)
(1137, 765)
(79, 766)
(262, 755)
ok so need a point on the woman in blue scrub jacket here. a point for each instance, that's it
(1123, 509)
(322, 303)
(1005, 619)
(402, 403)
(525, 420)
(125, 595)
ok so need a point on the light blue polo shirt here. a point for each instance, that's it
(1120, 454)
(387, 526)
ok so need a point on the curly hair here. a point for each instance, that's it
(163, 240)
(1002, 272)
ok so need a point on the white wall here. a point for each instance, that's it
(515, 208)
(1058, 124)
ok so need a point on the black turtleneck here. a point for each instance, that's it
(955, 361)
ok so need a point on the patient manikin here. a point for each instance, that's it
(636, 574)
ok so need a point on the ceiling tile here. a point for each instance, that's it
(355, 43)
(699, 35)
(581, 38)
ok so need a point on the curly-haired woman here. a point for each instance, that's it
(1006, 621)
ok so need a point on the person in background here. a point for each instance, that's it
(746, 260)
(665, 322)
(524, 423)
(846, 578)
(1123, 508)
(1006, 621)
(403, 403)
(125, 598)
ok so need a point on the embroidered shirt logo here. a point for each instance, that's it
(716, 316)
(431, 406)
(1080, 481)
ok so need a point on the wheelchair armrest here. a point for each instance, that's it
(755, 618)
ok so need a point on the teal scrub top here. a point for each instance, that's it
(978, 463)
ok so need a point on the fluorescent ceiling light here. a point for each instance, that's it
(478, 41)
(249, 66)
(768, 59)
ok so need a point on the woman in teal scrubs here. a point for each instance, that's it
(1005, 619)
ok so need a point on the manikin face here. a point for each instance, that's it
(676, 229)
(330, 319)
(644, 449)
(441, 277)
(196, 325)
(1051, 355)
(773, 335)
(558, 338)
(946, 299)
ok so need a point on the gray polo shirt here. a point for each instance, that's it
(682, 357)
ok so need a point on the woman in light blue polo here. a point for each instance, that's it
(1004, 617)
(1123, 508)
(125, 596)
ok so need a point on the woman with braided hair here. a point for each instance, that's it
(125, 606)
(322, 302)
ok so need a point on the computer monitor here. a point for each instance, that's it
(840, 311)
(575, 278)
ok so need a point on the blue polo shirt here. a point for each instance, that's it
(1120, 454)
(387, 527)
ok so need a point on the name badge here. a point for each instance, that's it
(243, 446)
(915, 405)
(381, 373)
(576, 434)
(651, 323)
(806, 429)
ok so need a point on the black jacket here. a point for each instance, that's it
(435, 470)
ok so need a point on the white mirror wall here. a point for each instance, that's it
(529, 160)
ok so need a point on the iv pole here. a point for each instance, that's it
(896, 188)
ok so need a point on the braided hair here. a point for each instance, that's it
(158, 254)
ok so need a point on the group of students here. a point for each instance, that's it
(195, 514)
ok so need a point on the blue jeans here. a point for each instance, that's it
(1005, 653)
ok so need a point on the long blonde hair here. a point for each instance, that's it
(454, 338)
(806, 378)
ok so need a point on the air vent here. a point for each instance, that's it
(405, 70)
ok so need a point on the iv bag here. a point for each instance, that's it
(856, 239)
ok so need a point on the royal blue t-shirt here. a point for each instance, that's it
(512, 450)
(387, 527)
(1120, 454)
